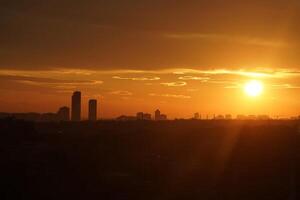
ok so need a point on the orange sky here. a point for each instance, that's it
(177, 92)
(180, 56)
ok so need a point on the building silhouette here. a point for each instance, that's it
(263, 117)
(63, 114)
(196, 116)
(163, 117)
(146, 116)
(219, 117)
(228, 117)
(92, 109)
(158, 116)
(76, 106)
(139, 116)
(143, 116)
(49, 117)
(126, 118)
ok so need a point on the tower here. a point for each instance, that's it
(76, 106)
(92, 109)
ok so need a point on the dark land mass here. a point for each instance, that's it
(149, 160)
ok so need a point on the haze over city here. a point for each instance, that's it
(182, 57)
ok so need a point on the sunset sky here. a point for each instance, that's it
(139, 55)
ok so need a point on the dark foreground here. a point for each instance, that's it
(149, 160)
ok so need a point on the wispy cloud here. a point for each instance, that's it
(192, 90)
(40, 81)
(121, 93)
(60, 85)
(240, 73)
(174, 84)
(179, 96)
(75, 72)
(151, 74)
(259, 73)
(285, 86)
(137, 78)
(196, 78)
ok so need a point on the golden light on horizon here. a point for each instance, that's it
(253, 88)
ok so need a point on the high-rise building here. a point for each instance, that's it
(196, 116)
(63, 114)
(157, 115)
(76, 106)
(92, 109)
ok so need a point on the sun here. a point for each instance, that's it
(253, 88)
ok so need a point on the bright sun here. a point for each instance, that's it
(253, 88)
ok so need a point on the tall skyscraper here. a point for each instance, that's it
(92, 109)
(76, 106)
(63, 114)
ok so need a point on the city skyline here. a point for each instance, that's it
(135, 57)
(65, 113)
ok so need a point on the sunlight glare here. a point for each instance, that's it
(253, 88)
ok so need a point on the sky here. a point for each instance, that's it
(139, 55)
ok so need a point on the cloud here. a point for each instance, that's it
(50, 83)
(174, 84)
(74, 72)
(197, 78)
(61, 84)
(189, 73)
(137, 78)
(179, 96)
(43, 80)
(121, 93)
(233, 86)
(285, 86)
(255, 73)
(192, 90)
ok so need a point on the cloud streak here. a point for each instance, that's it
(174, 84)
(196, 78)
(192, 74)
(178, 96)
(285, 86)
(137, 78)
(121, 93)
(59, 85)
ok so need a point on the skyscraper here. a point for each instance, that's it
(92, 109)
(76, 106)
